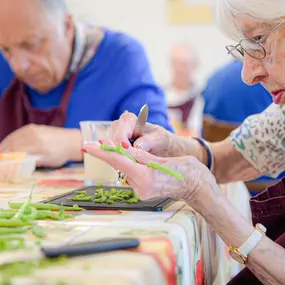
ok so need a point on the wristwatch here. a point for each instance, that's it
(241, 254)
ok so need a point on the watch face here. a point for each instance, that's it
(236, 257)
(261, 227)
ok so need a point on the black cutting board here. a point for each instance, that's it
(152, 205)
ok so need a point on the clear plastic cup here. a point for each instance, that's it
(96, 170)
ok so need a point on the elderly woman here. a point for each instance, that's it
(256, 148)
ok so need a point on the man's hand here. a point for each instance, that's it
(55, 146)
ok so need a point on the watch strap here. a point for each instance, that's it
(251, 243)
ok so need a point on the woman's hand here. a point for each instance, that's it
(149, 183)
(155, 139)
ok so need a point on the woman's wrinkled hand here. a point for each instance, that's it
(155, 139)
(150, 183)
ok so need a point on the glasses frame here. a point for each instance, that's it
(241, 50)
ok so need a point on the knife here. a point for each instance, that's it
(70, 250)
(140, 124)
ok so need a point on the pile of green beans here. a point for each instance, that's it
(103, 196)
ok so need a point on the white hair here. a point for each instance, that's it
(56, 9)
(226, 11)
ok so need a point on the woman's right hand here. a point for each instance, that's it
(155, 139)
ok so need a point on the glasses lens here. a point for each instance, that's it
(253, 48)
(235, 52)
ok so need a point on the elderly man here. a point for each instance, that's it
(55, 73)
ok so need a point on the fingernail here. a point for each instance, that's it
(83, 149)
(139, 146)
(124, 145)
(100, 141)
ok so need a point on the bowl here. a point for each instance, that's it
(16, 167)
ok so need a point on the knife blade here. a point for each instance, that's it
(70, 250)
(140, 124)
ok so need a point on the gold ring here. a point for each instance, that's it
(123, 178)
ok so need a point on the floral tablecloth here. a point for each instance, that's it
(177, 246)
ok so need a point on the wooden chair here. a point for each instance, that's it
(215, 131)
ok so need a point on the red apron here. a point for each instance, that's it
(16, 110)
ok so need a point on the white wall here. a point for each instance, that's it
(147, 21)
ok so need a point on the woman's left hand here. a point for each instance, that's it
(149, 183)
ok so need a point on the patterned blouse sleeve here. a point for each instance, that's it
(261, 140)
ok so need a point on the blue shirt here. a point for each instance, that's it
(118, 78)
(227, 98)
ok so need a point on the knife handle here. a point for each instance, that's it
(99, 246)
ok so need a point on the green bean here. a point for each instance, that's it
(99, 191)
(165, 170)
(11, 243)
(50, 207)
(31, 216)
(111, 202)
(95, 196)
(9, 211)
(41, 215)
(81, 193)
(100, 200)
(116, 198)
(122, 151)
(38, 231)
(119, 149)
(25, 206)
(99, 185)
(7, 215)
(133, 200)
(14, 223)
(12, 231)
(61, 213)
(48, 200)
(84, 199)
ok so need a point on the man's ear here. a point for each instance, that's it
(69, 25)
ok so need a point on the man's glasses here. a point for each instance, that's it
(252, 47)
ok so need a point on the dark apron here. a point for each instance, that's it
(16, 110)
(267, 208)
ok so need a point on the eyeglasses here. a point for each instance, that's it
(252, 47)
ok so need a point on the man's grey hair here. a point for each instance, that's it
(56, 9)
(54, 5)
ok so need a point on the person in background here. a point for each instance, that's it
(183, 95)
(55, 72)
(227, 98)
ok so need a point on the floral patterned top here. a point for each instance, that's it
(261, 140)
